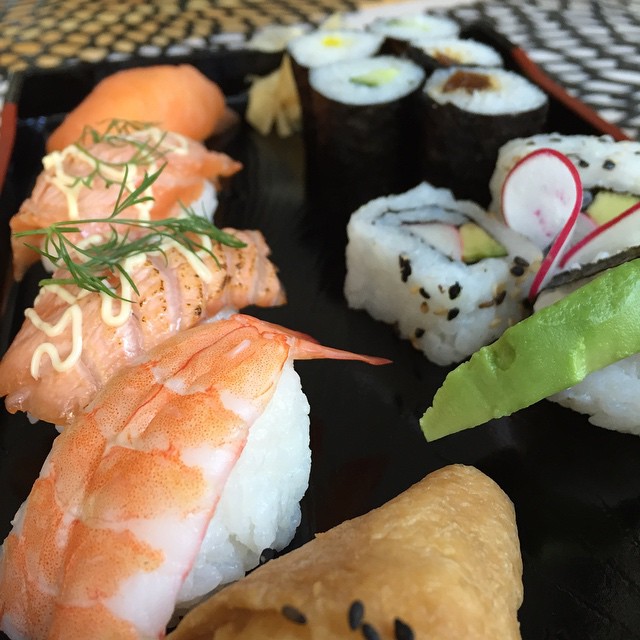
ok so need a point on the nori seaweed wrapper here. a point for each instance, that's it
(361, 152)
(461, 147)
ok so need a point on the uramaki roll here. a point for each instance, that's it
(441, 560)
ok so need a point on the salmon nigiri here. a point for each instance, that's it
(171, 475)
(73, 339)
(85, 180)
(176, 97)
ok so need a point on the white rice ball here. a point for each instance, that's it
(259, 507)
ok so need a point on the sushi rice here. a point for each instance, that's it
(259, 508)
(445, 307)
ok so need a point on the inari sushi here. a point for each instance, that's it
(439, 561)
(450, 277)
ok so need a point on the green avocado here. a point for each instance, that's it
(548, 352)
(478, 244)
(606, 205)
(375, 78)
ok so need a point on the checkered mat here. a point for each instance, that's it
(589, 46)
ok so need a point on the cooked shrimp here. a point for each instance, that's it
(114, 522)
(84, 181)
(176, 97)
(72, 340)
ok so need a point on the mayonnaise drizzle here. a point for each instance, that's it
(72, 316)
(70, 186)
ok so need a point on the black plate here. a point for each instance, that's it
(575, 487)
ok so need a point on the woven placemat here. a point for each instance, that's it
(589, 46)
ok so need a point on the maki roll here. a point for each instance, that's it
(365, 143)
(447, 274)
(468, 115)
(322, 47)
(433, 54)
(399, 31)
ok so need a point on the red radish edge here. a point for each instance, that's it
(596, 232)
(546, 151)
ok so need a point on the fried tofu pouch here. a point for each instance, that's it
(440, 561)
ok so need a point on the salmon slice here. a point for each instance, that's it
(84, 180)
(73, 341)
(175, 97)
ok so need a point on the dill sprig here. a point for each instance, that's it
(118, 133)
(92, 267)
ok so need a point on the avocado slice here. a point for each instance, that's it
(376, 77)
(606, 205)
(552, 350)
(478, 244)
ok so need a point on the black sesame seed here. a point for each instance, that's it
(583, 163)
(517, 270)
(402, 630)
(454, 291)
(453, 313)
(369, 633)
(405, 268)
(267, 554)
(608, 165)
(419, 332)
(521, 261)
(356, 613)
(500, 297)
(424, 293)
(293, 614)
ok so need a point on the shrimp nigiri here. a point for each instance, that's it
(73, 340)
(177, 97)
(88, 178)
(113, 526)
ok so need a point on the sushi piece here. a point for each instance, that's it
(399, 31)
(608, 171)
(544, 354)
(84, 181)
(449, 276)
(318, 48)
(184, 467)
(73, 340)
(365, 140)
(174, 97)
(433, 54)
(469, 113)
(441, 560)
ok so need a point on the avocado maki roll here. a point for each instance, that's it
(448, 275)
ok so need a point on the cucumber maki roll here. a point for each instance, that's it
(365, 144)
(468, 115)
(322, 47)
(448, 275)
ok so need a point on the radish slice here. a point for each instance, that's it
(618, 234)
(541, 199)
(540, 195)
